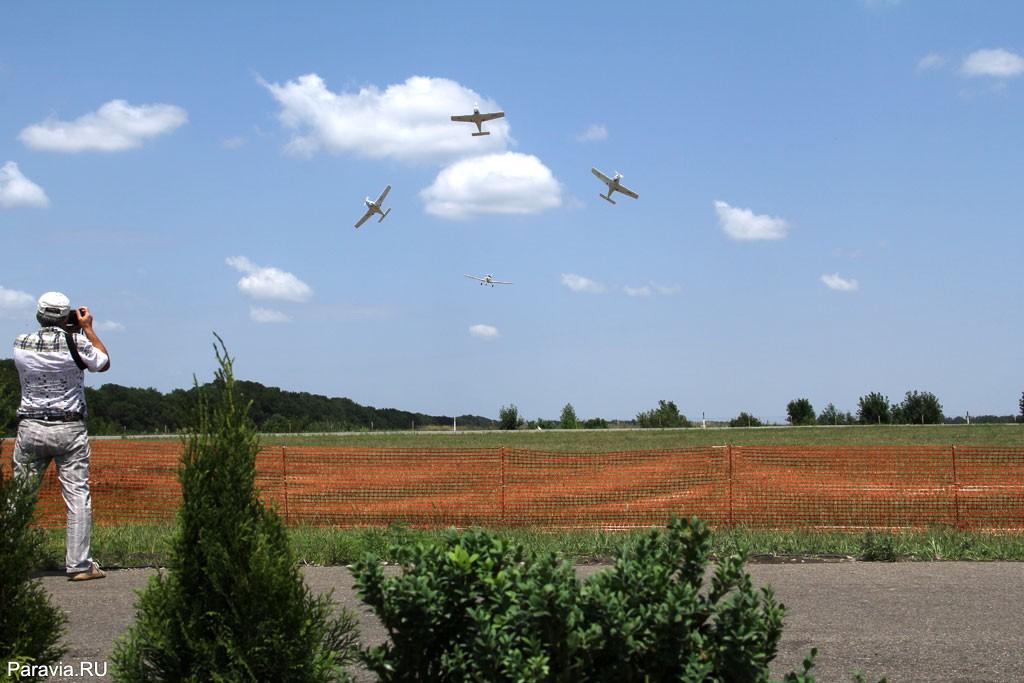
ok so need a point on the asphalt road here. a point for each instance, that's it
(937, 621)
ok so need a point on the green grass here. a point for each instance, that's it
(1006, 435)
(147, 546)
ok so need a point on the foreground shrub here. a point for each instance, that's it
(475, 608)
(233, 605)
(31, 627)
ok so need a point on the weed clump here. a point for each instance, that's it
(878, 547)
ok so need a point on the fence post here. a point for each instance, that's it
(956, 490)
(501, 461)
(284, 482)
(728, 450)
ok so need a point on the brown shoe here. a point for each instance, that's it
(93, 572)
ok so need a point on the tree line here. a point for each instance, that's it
(917, 407)
(116, 409)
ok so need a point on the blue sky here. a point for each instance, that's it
(829, 204)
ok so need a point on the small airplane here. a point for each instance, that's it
(613, 186)
(488, 280)
(373, 207)
(478, 118)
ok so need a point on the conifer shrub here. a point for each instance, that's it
(476, 608)
(232, 604)
(31, 627)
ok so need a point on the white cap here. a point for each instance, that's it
(53, 305)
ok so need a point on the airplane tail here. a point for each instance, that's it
(606, 198)
(486, 132)
(384, 215)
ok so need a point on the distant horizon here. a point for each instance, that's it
(829, 200)
(769, 420)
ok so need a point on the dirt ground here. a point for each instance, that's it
(936, 621)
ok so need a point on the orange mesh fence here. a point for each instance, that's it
(770, 487)
(849, 486)
(990, 491)
(353, 486)
(607, 490)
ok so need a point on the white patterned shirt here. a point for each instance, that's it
(51, 382)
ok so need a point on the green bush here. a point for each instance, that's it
(665, 415)
(31, 627)
(232, 605)
(476, 608)
(745, 419)
(831, 415)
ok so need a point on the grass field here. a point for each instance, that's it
(1009, 435)
(145, 546)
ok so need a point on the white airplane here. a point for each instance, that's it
(478, 118)
(373, 207)
(488, 280)
(613, 186)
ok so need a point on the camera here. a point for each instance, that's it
(72, 325)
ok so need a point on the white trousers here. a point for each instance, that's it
(67, 443)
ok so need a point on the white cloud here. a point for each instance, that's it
(267, 315)
(484, 331)
(13, 301)
(998, 63)
(931, 61)
(578, 283)
(744, 224)
(593, 133)
(652, 288)
(265, 282)
(115, 126)
(110, 326)
(508, 183)
(839, 284)
(643, 290)
(408, 121)
(17, 190)
(233, 143)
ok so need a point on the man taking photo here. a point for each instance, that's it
(51, 365)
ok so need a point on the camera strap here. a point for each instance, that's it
(73, 348)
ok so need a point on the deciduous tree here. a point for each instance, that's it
(745, 419)
(665, 415)
(800, 412)
(874, 409)
(508, 417)
(569, 419)
(918, 408)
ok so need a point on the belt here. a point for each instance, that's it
(52, 417)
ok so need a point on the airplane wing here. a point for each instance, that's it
(492, 116)
(380, 199)
(605, 179)
(628, 192)
(465, 118)
(366, 217)
(474, 277)
(500, 282)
